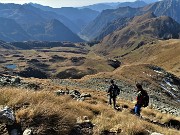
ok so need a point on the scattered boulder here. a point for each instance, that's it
(7, 80)
(85, 95)
(114, 63)
(155, 133)
(16, 80)
(60, 92)
(75, 94)
(27, 132)
(7, 116)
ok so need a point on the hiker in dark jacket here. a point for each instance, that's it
(142, 99)
(113, 91)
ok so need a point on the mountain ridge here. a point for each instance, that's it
(142, 29)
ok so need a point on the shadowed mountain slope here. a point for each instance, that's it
(54, 30)
(35, 24)
(107, 16)
(11, 31)
(111, 27)
(79, 17)
(27, 15)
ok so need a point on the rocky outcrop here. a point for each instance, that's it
(169, 83)
(16, 82)
(114, 63)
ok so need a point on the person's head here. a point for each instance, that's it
(139, 86)
(112, 81)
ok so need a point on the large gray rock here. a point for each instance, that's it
(7, 116)
(16, 80)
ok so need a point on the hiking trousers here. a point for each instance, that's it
(114, 101)
(137, 109)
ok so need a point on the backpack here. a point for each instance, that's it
(145, 99)
(115, 90)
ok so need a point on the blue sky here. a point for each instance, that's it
(63, 3)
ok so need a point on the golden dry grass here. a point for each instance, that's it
(164, 54)
(44, 106)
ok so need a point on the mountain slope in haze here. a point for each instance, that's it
(150, 1)
(96, 26)
(34, 23)
(11, 31)
(80, 17)
(139, 31)
(134, 4)
(54, 30)
(103, 6)
(111, 27)
(27, 16)
(98, 7)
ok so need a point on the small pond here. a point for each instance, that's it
(11, 66)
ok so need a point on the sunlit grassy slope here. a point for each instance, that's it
(51, 114)
(165, 54)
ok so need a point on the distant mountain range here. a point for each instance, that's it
(103, 6)
(27, 22)
(37, 22)
(97, 26)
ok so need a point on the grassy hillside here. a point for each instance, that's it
(164, 54)
(47, 113)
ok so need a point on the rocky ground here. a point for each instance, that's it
(128, 92)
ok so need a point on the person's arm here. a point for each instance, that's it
(108, 90)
